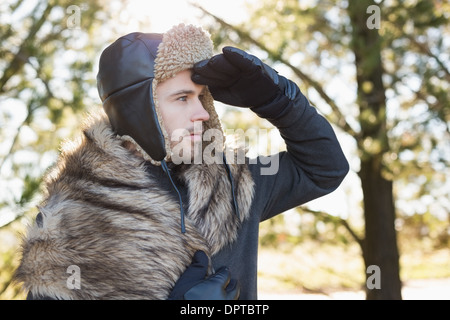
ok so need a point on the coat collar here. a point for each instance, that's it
(104, 212)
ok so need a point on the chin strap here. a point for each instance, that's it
(167, 171)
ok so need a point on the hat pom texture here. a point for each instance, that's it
(182, 47)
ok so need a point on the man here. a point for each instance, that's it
(130, 213)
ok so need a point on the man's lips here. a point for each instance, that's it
(179, 135)
(196, 136)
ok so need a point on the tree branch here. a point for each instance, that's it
(422, 48)
(327, 216)
(23, 54)
(13, 144)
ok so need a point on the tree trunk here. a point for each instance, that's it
(380, 249)
(380, 244)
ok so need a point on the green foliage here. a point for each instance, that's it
(412, 131)
(36, 49)
(46, 77)
(9, 250)
(46, 65)
(386, 87)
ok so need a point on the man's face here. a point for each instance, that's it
(180, 107)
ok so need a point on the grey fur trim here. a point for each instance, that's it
(104, 214)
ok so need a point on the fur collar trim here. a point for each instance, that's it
(104, 214)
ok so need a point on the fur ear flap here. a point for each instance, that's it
(211, 206)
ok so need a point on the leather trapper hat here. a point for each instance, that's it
(124, 82)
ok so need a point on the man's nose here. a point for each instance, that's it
(199, 113)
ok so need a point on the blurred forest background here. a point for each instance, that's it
(379, 71)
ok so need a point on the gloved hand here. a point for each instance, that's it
(241, 79)
(194, 285)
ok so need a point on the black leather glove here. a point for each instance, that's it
(241, 79)
(194, 285)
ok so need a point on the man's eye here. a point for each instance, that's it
(183, 98)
